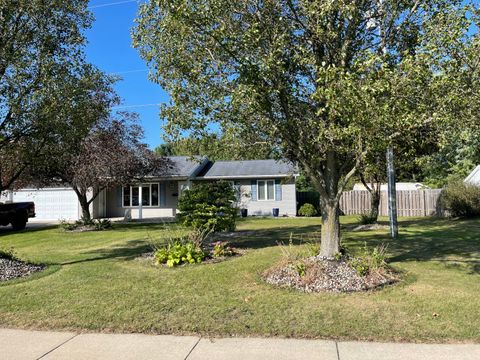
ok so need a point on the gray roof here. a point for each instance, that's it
(474, 177)
(184, 166)
(248, 169)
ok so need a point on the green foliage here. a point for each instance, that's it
(103, 224)
(307, 210)
(86, 224)
(461, 199)
(454, 157)
(303, 184)
(227, 146)
(300, 268)
(327, 83)
(221, 249)
(8, 254)
(369, 260)
(179, 252)
(208, 206)
(367, 219)
(41, 61)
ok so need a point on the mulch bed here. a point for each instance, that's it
(368, 227)
(150, 256)
(322, 275)
(12, 269)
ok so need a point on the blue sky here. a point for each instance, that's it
(109, 48)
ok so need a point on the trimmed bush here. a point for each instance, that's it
(208, 206)
(461, 199)
(307, 210)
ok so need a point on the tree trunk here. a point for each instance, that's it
(375, 203)
(85, 205)
(330, 245)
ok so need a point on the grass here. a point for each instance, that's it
(96, 284)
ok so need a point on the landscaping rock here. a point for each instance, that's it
(12, 269)
(326, 275)
(368, 227)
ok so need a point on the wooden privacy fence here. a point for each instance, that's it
(409, 202)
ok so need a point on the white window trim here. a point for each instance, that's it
(143, 206)
(266, 190)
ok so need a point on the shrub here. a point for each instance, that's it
(461, 199)
(90, 224)
(300, 268)
(367, 219)
(368, 261)
(208, 206)
(221, 249)
(102, 224)
(179, 252)
(307, 210)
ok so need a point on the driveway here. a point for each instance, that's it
(33, 224)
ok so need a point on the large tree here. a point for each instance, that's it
(323, 81)
(40, 50)
(226, 146)
(108, 152)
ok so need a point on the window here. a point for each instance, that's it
(266, 189)
(150, 195)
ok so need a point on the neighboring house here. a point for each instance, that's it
(474, 177)
(399, 186)
(261, 185)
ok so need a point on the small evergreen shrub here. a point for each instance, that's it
(208, 206)
(307, 210)
(461, 199)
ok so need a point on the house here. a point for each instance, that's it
(261, 186)
(474, 177)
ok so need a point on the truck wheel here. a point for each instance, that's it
(19, 224)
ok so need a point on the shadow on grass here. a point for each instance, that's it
(455, 243)
(8, 230)
(261, 238)
(128, 251)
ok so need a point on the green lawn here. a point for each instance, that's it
(96, 284)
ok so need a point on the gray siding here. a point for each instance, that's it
(287, 206)
(114, 208)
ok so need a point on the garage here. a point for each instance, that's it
(51, 203)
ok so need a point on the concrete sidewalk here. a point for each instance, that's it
(26, 345)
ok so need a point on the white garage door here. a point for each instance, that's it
(51, 204)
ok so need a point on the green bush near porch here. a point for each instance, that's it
(208, 206)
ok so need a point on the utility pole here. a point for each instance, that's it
(392, 194)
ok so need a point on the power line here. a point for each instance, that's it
(113, 3)
(134, 106)
(128, 71)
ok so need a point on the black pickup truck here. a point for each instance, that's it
(16, 214)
